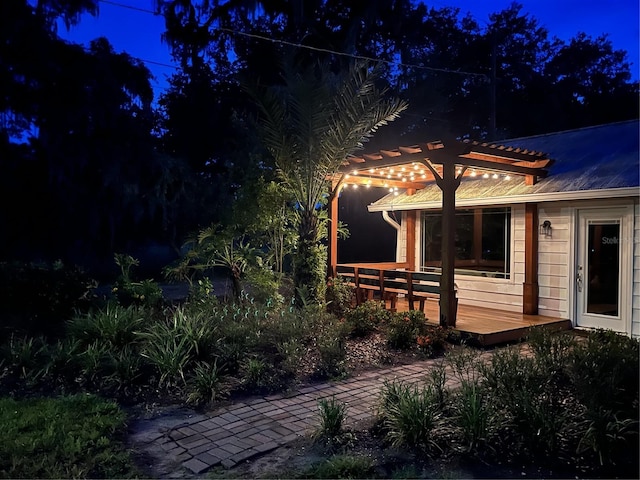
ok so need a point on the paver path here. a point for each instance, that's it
(258, 425)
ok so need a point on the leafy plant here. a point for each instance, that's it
(404, 328)
(207, 383)
(128, 292)
(168, 349)
(339, 296)
(332, 416)
(473, 415)
(330, 342)
(366, 317)
(431, 340)
(256, 375)
(114, 324)
(409, 415)
(26, 356)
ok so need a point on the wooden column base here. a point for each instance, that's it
(530, 298)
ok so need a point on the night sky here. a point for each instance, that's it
(138, 32)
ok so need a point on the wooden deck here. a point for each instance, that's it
(487, 327)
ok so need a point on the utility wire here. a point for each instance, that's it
(309, 47)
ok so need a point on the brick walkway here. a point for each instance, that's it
(258, 425)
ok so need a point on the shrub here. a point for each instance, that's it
(404, 328)
(604, 371)
(339, 296)
(36, 298)
(432, 340)
(330, 342)
(366, 317)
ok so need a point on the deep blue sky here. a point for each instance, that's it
(138, 33)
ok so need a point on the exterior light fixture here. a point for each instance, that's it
(355, 172)
(404, 179)
(473, 173)
(395, 193)
(403, 169)
(495, 175)
(372, 170)
(486, 175)
(355, 186)
(507, 177)
(424, 176)
(389, 176)
(347, 176)
(391, 190)
(545, 228)
(391, 170)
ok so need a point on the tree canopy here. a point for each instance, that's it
(89, 164)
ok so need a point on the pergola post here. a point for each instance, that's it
(410, 256)
(332, 247)
(530, 290)
(448, 301)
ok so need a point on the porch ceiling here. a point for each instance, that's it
(415, 166)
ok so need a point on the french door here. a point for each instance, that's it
(603, 268)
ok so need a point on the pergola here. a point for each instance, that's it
(446, 163)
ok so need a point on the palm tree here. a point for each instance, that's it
(310, 124)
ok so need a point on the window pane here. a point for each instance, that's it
(482, 242)
(464, 235)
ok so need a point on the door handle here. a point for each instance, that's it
(579, 279)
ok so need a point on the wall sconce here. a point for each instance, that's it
(545, 228)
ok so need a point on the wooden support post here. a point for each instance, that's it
(448, 301)
(411, 239)
(332, 254)
(530, 289)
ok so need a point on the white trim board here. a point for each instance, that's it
(514, 199)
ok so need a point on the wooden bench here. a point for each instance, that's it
(388, 284)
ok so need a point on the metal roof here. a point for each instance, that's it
(589, 162)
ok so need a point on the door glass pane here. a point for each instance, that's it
(603, 269)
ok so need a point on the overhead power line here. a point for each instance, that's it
(307, 47)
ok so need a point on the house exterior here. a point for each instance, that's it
(565, 246)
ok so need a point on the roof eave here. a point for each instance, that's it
(513, 199)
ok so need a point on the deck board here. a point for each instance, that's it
(487, 326)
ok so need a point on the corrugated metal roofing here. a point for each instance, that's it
(593, 158)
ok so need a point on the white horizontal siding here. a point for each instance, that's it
(553, 261)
